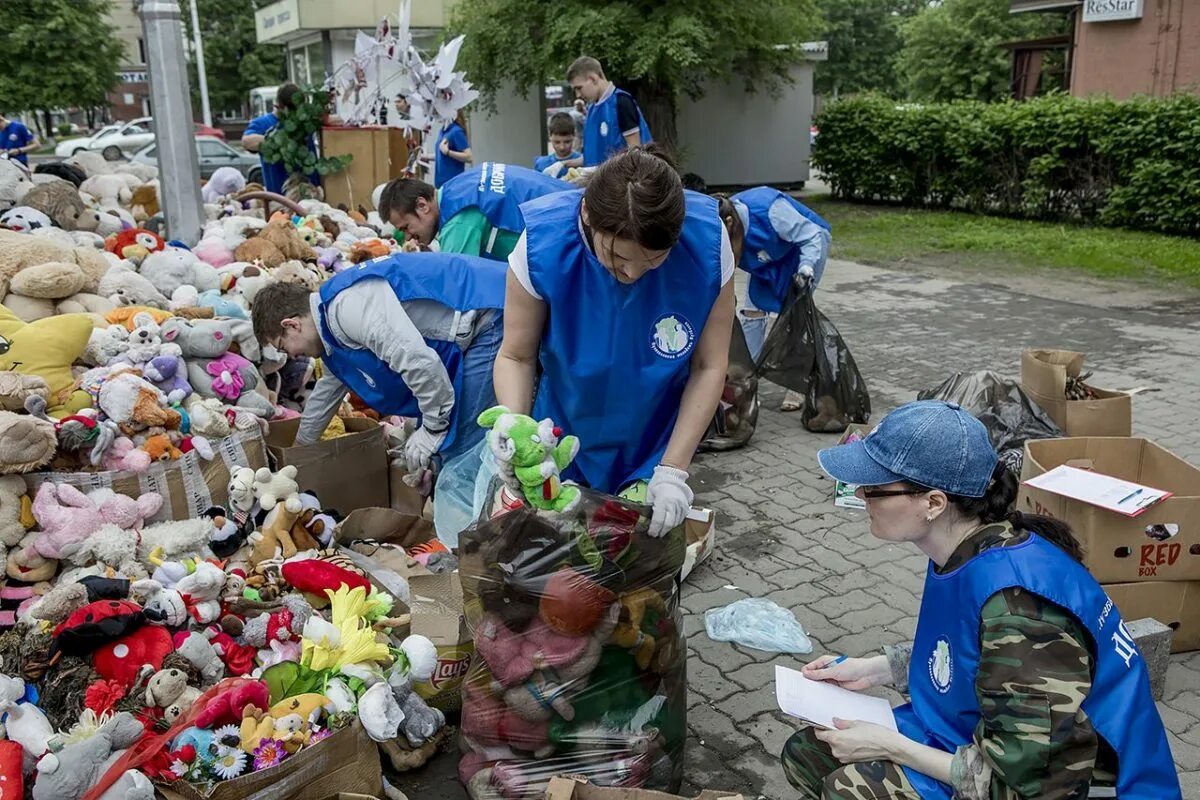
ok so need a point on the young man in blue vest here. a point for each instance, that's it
(477, 213)
(562, 142)
(274, 174)
(614, 121)
(412, 334)
(16, 141)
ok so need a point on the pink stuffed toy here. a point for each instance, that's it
(124, 511)
(67, 516)
(486, 721)
(125, 456)
(227, 381)
(513, 657)
(226, 708)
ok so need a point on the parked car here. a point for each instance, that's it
(69, 147)
(128, 138)
(213, 154)
(208, 130)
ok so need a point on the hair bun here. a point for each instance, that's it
(658, 151)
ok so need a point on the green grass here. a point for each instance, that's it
(886, 235)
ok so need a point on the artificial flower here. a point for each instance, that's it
(354, 642)
(89, 723)
(379, 605)
(319, 734)
(230, 763)
(228, 733)
(340, 695)
(179, 769)
(102, 696)
(269, 753)
(379, 713)
(321, 633)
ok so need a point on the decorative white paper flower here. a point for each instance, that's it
(230, 763)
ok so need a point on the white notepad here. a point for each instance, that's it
(819, 702)
(1103, 491)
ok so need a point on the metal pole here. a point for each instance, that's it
(174, 131)
(198, 41)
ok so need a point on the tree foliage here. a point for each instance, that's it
(57, 54)
(655, 48)
(951, 50)
(234, 62)
(864, 40)
(288, 142)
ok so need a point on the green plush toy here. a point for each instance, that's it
(537, 453)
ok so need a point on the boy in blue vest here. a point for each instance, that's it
(614, 121)
(274, 174)
(412, 334)
(477, 213)
(16, 140)
(562, 142)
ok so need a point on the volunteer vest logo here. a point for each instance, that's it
(941, 669)
(672, 336)
(763, 256)
(604, 129)
(370, 381)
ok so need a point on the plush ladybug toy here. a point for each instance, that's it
(134, 244)
(95, 624)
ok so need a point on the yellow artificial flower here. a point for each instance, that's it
(348, 639)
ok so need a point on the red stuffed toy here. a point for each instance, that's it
(95, 624)
(134, 244)
(122, 659)
(226, 708)
(238, 658)
(12, 779)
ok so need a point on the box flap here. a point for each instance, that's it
(1045, 371)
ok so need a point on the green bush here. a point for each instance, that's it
(64, 129)
(1129, 164)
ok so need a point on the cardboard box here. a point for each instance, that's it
(1176, 604)
(1044, 376)
(700, 530)
(1162, 543)
(189, 485)
(570, 787)
(345, 473)
(844, 493)
(378, 155)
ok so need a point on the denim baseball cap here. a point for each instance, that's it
(930, 443)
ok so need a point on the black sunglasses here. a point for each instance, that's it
(874, 494)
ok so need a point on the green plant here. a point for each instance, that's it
(1129, 164)
(288, 142)
(64, 129)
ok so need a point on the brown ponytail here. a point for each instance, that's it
(637, 195)
(996, 505)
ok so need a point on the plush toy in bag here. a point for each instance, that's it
(531, 456)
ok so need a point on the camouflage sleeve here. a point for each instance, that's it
(1034, 674)
(898, 656)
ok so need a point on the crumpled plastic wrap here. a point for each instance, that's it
(581, 658)
(759, 624)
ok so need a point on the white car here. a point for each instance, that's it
(128, 138)
(69, 147)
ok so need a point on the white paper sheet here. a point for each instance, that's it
(819, 702)
(1094, 488)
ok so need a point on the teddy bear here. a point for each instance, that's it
(14, 510)
(123, 286)
(174, 267)
(200, 653)
(37, 276)
(232, 379)
(26, 442)
(162, 606)
(111, 547)
(487, 722)
(143, 201)
(277, 532)
(24, 722)
(27, 565)
(105, 345)
(59, 200)
(202, 591)
(25, 219)
(134, 403)
(168, 373)
(629, 632)
(67, 516)
(168, 689)
(272, 487)
(69, 770)
(533, 454)
(291, 730)
(107, 190)
(277, 634)
(124, 456)
(143, 343)
(15, 183)
(175, 539)
(297, 273)
(211, 338)
(226, 707)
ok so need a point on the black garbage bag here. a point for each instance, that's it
(737, 413)
(805, 353)
(1010, 416)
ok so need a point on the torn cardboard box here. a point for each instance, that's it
(1044, 375)
(1162, 543)
(1175, 604)
(577, 788)
(345, 473)
(700, 528)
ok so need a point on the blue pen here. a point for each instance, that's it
(839, 660)
(1129, 497)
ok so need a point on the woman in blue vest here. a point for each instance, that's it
(620, 297)
(477, 213)
(413, 334)
(1024, 681)
(614, 122)
(453, 151)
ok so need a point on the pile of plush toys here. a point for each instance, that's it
(214, 647)
(575, 620)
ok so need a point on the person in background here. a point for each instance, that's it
(562, 141)
(578, 114)
(614, 121)
(618, 312)
(16, 140)
(453, 151)
(274, 174)
(1024, 681)
(412, 136)
(694, 183)
(413, 334)
(781, 243)
(477, 213)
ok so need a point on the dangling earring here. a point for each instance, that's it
(929, 517)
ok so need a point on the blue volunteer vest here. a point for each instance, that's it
(944, 709)
(445, 168)
(461, 282)
(602, 135)
(615, 358)
(771, 261)
(497, 190)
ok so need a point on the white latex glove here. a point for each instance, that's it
(670, 497)
(804, 276)
(421, 446)
(555, 170)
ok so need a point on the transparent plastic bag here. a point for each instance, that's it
(581, 659)
(737, 412)
(757, 623)
(1010, 416)
(461, 490)
(805, 353)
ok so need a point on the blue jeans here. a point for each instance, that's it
(476, 393)
(755, 329)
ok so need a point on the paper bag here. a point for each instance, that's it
(345, 473)
(348, 761)
(1044, 376)
(189, 485)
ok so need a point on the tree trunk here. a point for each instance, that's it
(49, 123)
(658, 107)
(89, 115)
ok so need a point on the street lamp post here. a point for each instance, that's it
(174, 131)
(198, 44)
